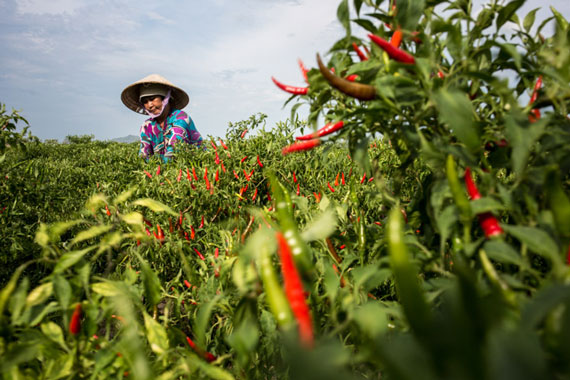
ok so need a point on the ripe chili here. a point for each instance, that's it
(488, 222)
(326, 130)
(294, 292)
(291, 89)
(359, 52)
(75, 322)
(303, 70)
(199, 255)
(259, 162)
(394, 52)
(223, 144)
(300, 146)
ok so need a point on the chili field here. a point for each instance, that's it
(422, 232)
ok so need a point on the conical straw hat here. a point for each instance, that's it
(130, 95)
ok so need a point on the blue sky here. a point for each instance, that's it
(64, 63)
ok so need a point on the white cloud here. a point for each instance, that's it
(51, 7)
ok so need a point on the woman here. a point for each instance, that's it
(167, 123)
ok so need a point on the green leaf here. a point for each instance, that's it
(559, 19)
(508, 11)
(156, 335)
(154, 206)
(322, 227)
(62, 290)
(343, 15)
(134, 218)
(151, 283)
(485, 204)
(543, 303)
(90, 233)
(502, 252)
(203, 319)
(409, 13)
(39, 294)
(124, 196)
(456, 111)
(529, 19)
(536, 239)
(522, 136)
(371, 318)
(71, 258)
(106, 289)
(54, 332)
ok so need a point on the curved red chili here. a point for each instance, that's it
(301, 146)
(179, 175)
(324, 131)
(259, 162)
(223, 145)
(199, 255)
(204, 354)
(291, 89)
(394, 52)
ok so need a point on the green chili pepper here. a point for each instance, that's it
(457, 191)
(558, 202)
(411, 296)
(301, 252)
(276, 299)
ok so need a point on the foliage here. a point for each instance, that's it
(402, 281)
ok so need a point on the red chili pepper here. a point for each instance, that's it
(440, 74)
(300, 146)
(336, 180)
(160, 232)
(488, 222)
(317, 197)
(342, 246)
(352, 77)
(243, 159)
(326, 130)
(537, 87)
(206, 355)
(243, 133)
(107, 211)
(75, 322)
(223, 167)
(217, 177)
(179, 175)
(294, 292)
(394, 52)
(213, 145)
(298, 190)
(158, 170)
(216, 252)
(187, 284)
(194, 174)
(291, 89)
(148, 174)
(236, 175)
(370, 179)
(294, 177)
(201, 222)
(396, 39)
(359, 52)
(342, 178)
(192, 232)
(303, 70)
(199, 255)
(147, 231)
(259, 162)
(223, 145)
(188, 174)
(363, 179)
(245, 175)
(217, 161)
(207, 181)
(330, 187)
(378, 223)
(254, 195)
(186, 236)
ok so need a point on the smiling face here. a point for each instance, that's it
(152, 103)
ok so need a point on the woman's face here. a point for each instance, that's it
(152, 104)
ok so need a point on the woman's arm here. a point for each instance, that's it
(146, 149)
(181, 128)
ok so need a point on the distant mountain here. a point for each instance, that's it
(126, 139)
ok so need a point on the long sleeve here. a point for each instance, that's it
(181, 128)
(145, 150)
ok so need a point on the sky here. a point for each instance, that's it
(64, 63)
